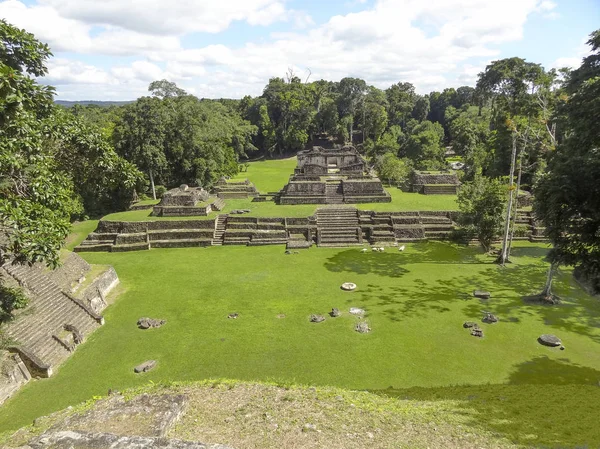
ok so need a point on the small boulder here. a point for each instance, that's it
(233, 316)
(147, 323)
(145, 367)
(477, 332)
(357, 311)
(549, 340)
(317, 318)
(335, 312)
(489, 318)
(362, 327)
(470, 324)
(481, 294)
(308, 427)
(348, 286)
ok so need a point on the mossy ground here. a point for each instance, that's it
(416, 302)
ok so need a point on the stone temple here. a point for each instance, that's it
(332, 176)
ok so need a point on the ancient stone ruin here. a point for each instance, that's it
(187, 201)
(437, 183)
(227, 189)
(332, 176)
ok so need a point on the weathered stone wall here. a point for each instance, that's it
(94, 295)
(70, 273)
(119, 227)
(434, 178)
(305, 188)
(362, 187)
(13, 374)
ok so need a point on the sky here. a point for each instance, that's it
(113, 49)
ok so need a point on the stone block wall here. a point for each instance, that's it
(13, 374)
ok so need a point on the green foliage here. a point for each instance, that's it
(393, 170)
(425, 147)
(482, 204)
(11, 299)
(567, 197)
(160, 191)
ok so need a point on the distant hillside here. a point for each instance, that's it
(103, 104)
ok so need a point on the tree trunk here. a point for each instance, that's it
(152, 183)
(504, 254)
(514, 223)
(547, 292)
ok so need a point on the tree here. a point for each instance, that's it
(481, 203)
(11, 299)
(36, 198)
(421, 109)
(567, 197)
(424, 146)
(401, 98)
(391, 169)
(351, 92)
(141, 133)
(165, 89)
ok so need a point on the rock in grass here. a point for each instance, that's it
(145, 367)
(317, 318)
(470, 324)
(335, 312)
(147, 323)
(481, 294)
(357, 311)
(549, 340)
(233, 316)
(362, 327)
(477, 332)
(489, 318)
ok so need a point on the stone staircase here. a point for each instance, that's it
(220, 224)
(333, 192)
(440, 189)
(38, 334)
(338, 227)
(436, 226)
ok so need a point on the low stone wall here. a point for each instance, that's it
(94, 295)
(13, 374)
(130, 227)
(181, 211)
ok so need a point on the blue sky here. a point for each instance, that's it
(112, 49)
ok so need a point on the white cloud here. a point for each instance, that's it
(174, 17)
(383, 44)
(574, 60)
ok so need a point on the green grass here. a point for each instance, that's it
(148, 202)
(79, 231)
(416, 301)
(269, 175)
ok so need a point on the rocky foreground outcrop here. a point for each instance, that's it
(233, 415)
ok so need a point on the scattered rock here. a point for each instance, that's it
(335, 312)
(348, 286)
(316, 318)
(281, 315)
(145, 367)
(233, 316)
(549, 340)
(308, 427)
(477, 332)
(362, 327)
(562, 348)
(147, 323)
(470, 324)
(240, 211)
(357, 311)
(481, 294)
(489, 318)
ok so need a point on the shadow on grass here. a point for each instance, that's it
(546, 403)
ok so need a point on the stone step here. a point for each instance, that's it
(181, 243)
(436, 235)
(129, 247)
(92, 248)
(262, 242)
(338, 244)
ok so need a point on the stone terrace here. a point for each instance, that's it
(59, 322)
(330, 226)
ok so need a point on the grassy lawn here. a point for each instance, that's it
(79, 231)
(269, 175)
(416, 302)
